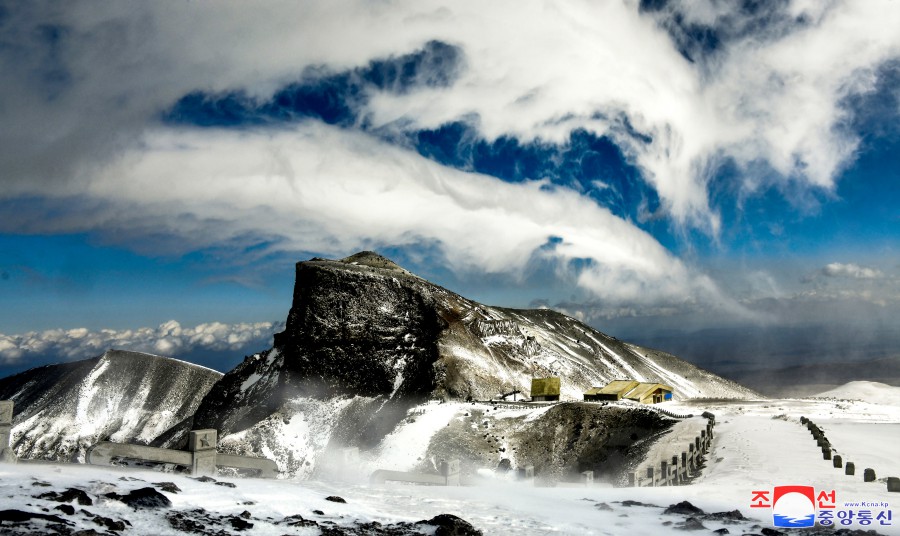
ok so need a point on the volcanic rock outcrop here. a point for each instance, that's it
(366, 340)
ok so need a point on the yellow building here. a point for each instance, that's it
(545, 389)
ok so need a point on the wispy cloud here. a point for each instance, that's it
(85, 92)
(169, 339)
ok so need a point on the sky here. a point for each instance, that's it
(713, 178)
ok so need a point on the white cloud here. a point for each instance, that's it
(169, 339)
(92, 138)
(851, 270)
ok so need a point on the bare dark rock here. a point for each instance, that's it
(142, 498)
(335, 498)
(110, 524)
(71, 494)
(168, 487)
(239, 523)
(691, 523)
(297, 521)
(733, 516)
(683, 508)
(19, 516)
(227, 484)
(630, 503)
(450, 525)
(67, 509)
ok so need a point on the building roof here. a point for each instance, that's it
(614, 387)
(644, 389)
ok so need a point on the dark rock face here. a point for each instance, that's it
(360, 326)
(373, 331)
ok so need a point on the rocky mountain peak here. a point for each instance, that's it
(374, 260)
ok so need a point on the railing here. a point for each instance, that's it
(449, 476)
(200, 458)
(681, 470)
(893, 483)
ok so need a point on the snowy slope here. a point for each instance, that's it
(861, 390)
(61, 410)
(758, 445)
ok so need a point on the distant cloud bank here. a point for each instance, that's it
(851, 270)
(169, 339)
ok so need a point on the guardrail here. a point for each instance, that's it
(837, 461)
(449, 476)
(680, 470)
(200, 458)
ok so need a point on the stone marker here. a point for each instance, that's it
(6, 417)
(529, 471)
(893, 483)
(837, 461)
(850, 468)
(869, 475)
(450, 471)
(826, 453)
(587, 478)
(202, 444)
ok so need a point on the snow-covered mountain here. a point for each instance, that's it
(367, 343)
(61, 410)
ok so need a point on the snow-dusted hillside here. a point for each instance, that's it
(758, 444)
(61, 410)
(862, 390)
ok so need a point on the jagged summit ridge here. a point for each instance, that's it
(374, 260)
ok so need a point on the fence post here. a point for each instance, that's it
(529, 473)
(664, 477)
(450, 470)
(202, 444)
(676, 469)
(652, 476)
(6, 417)
(869, 475)
(632, 479)
(587, 478)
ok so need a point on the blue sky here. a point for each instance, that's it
(661, 170)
